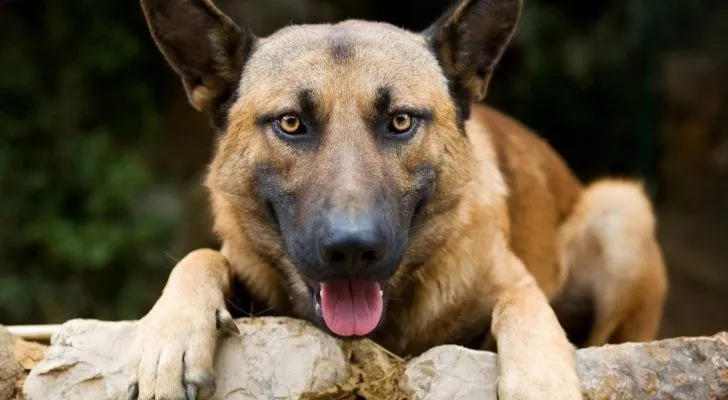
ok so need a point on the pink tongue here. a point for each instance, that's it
(351, 307)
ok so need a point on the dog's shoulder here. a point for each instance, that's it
(527, 162)
(541, 190)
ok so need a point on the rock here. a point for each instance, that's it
(680, 368)
(374, 373)
(17, 358)
(272, 358)
(10, 370)
(83, 361)
(29, 354)
(275, 358)
(290, 359)
(452, 372)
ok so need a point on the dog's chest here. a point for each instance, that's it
(412, 333)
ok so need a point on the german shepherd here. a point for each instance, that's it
(359, 183)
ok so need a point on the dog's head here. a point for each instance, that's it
(343, 145)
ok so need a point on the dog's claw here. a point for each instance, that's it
(132, 392)
(226, 324)
(186, 348)
(191, 390)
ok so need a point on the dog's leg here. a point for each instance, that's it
(535, 358)
(173, 354)
(608, 245)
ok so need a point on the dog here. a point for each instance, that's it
(360, 183)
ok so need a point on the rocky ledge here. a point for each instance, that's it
(17, 358)
(289, 359)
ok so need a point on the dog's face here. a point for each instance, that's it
(341, 144)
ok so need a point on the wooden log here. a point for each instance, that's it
(34, 332)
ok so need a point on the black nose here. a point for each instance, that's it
(351, 243)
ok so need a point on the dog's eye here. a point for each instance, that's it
(290, 124)
(401, 123)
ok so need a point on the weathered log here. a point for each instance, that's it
(33, 332)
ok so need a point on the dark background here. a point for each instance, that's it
(101, 156)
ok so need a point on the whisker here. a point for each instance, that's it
(248, 313)
(412, 228)
(171, 257)
(236, 307)
(395, 298)
(262, 312)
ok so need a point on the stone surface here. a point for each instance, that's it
(452, 372)
(272, 358)
(10, 369)
(17, 358)
(29, 354)
(680, 368)
(282, 358)
(277, 359)
(83, 362)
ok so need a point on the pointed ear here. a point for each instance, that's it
(203, 46)
(469, 40)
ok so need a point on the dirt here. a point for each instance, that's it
(374, 374)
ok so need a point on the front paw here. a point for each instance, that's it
(174, 351)
(545, 386)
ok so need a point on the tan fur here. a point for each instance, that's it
(508, 230)
(608, 245)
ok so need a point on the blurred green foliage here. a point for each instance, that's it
(82, 99)
(78, 107)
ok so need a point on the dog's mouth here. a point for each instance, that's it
(347, 308)
(350, 308)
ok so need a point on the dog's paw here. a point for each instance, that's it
(174, 351)
(545, 386)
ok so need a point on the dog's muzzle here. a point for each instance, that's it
(355, 258)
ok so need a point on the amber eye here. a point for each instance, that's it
(402, 123)
(290, 124)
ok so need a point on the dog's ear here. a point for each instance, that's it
(470, 38)
(203, 46)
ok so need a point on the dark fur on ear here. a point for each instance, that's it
(203, 46)
(469, 40)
